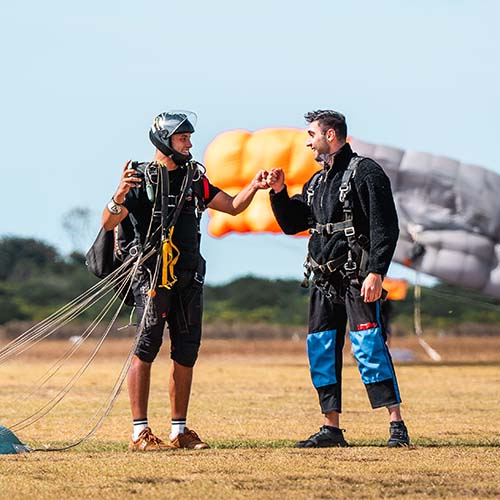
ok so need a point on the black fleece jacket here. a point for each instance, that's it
(374, 213)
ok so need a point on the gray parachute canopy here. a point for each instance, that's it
(449, 216)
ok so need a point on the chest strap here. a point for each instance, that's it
(332, 228)
(352, 265)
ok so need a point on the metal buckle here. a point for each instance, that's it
(350, 266)
(172, 200)
(310, 194)
(329, 227)
(330, 266)
(134, 250)
(349, 231)
(344, 189)
(198, 278)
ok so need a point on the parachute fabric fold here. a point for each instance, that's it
(10, 444)
(449, 211)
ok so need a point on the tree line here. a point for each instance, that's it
(35, 280)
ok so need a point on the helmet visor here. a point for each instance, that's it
(179, 121)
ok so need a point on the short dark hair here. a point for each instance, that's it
(327, 119)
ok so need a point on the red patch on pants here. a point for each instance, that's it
(366, 326)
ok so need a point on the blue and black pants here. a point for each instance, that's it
(325, 342)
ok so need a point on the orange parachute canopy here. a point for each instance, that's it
(232, 160)
(396, 288)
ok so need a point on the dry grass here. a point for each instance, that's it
(252, 401)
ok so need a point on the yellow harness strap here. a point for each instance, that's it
(170, 255)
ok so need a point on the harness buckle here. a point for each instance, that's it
(329, 228)
(133, 251)
(310, 194)
(330, 267)
(172, 200)
(198, 278)
(344, 189)
(349, 231)
(350, 266)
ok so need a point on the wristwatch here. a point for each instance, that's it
(113, 207)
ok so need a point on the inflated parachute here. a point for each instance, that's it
(449, 212)
(234, 157)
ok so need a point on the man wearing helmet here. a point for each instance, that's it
(179, 303)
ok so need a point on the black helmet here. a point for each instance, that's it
(165, 125)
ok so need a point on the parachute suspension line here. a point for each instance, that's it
(64, 315)
(100, 415)
(106, 408)
(86, 334)
(118, 278)
(417, 320)
(466, 300)
(44, 410)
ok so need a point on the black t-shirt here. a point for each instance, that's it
(186, 232)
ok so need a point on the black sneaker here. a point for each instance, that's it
(326, 437)
(398, 435)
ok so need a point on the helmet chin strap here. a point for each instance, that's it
(178, 158)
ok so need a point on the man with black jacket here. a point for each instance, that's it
(349, 209)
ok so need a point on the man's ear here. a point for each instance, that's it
(330, 135)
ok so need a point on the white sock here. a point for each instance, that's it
(178, 427)
(139, 425)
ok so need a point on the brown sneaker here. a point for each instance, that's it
(188, 439)
(147, 441)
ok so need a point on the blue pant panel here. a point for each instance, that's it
(321, 353)
(370, 351)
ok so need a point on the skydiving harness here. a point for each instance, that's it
(168, 218)
(112, 248)
(351, 266)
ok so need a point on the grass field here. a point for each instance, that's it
(251, 401)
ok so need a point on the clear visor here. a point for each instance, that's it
(179, 117)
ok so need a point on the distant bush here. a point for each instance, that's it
(35, 280)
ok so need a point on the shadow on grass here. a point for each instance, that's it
(242, 444)
(421, 443)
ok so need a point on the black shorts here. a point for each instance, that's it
(180, 308)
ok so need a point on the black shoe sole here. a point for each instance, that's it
(333, 445)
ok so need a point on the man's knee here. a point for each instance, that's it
(148, 349)
(186, 354)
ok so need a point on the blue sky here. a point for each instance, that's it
(81, 83)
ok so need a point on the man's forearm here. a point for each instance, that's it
(243, 199)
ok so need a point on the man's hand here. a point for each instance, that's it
(371, 289)
(260, 180)
(276, 179)
(127, 182)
